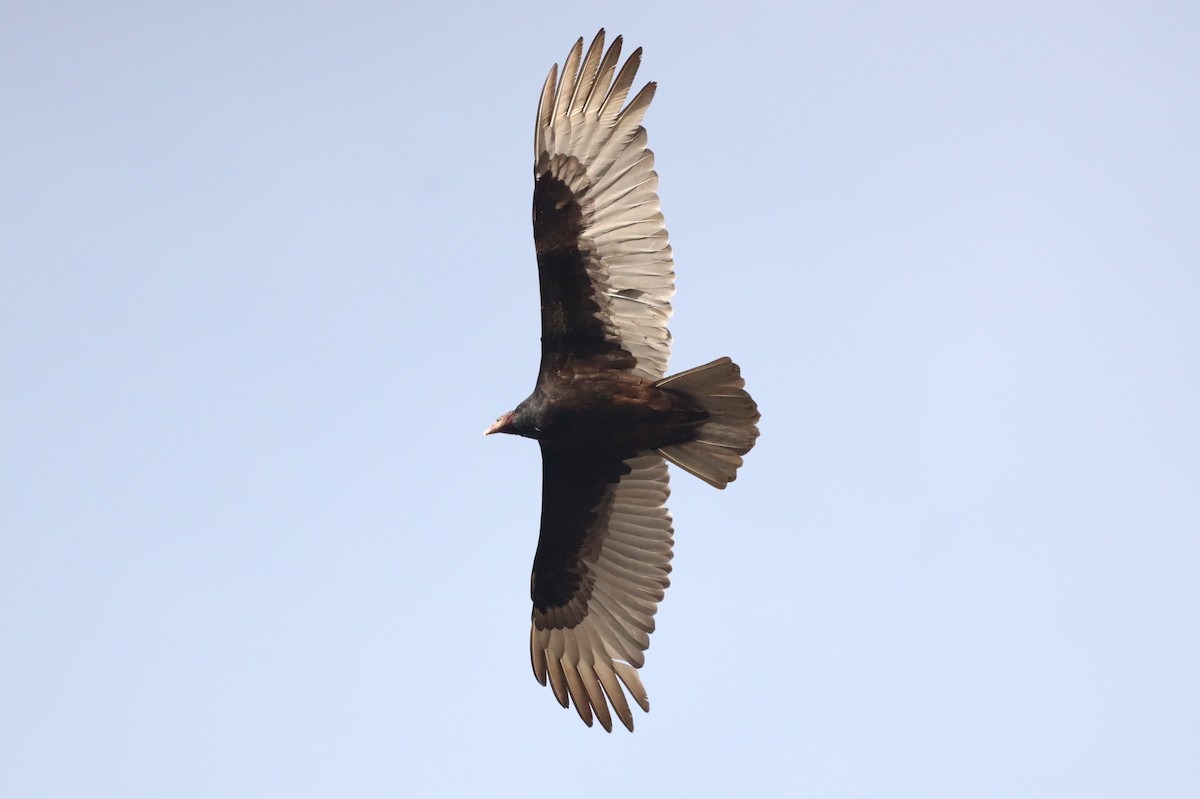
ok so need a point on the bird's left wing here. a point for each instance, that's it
(600, 571)
(604, 264)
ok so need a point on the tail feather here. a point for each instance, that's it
(715, 454)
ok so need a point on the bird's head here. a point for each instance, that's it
(507, 423)
(524, 420)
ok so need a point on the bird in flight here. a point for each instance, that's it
(606, 418)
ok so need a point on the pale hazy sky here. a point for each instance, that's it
(266, 275)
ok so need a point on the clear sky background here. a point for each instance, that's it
(266, 275)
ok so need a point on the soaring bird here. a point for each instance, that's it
(606, 418)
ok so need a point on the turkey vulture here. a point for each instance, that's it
(602, 412)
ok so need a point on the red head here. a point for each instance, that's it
(505, 424)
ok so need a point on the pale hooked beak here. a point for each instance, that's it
(501, 425)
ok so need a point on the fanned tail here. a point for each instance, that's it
(715, 454)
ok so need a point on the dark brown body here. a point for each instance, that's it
(605, 412)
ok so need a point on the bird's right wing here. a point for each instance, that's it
(601, 568)
(604, 265)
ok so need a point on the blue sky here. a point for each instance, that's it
(266, 275)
